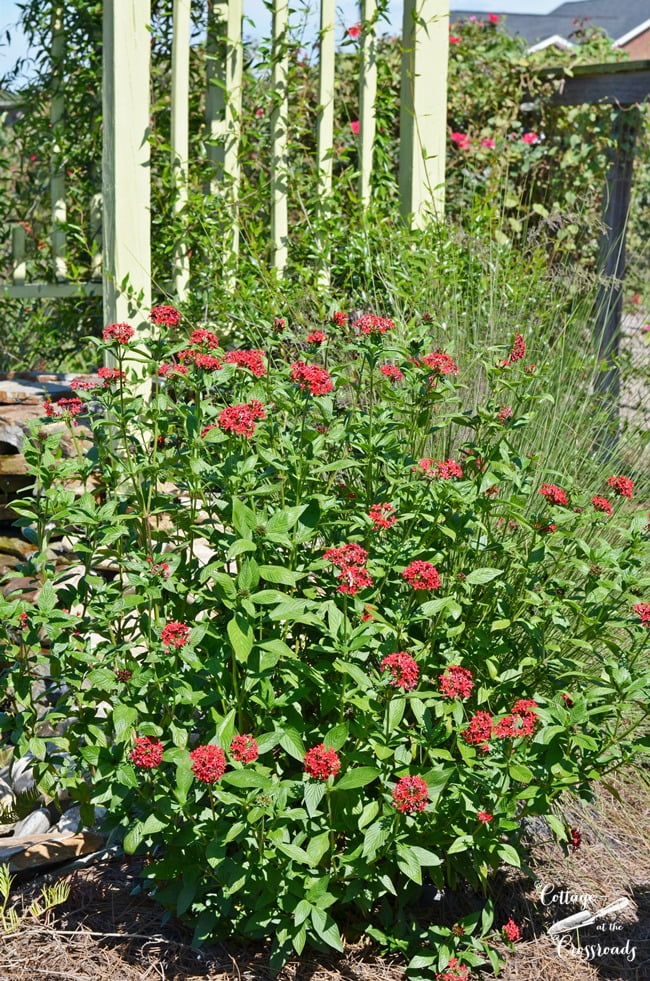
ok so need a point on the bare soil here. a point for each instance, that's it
(107, 931)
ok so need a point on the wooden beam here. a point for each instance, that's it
(279, 128)
(180, 139)
(57, 166)
(325, 120)
(423, 109)
(18, 255)
(623, 83)
(51, 290)
(125, 163)
(367, 96)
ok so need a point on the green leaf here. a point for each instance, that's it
(396, 708)
(509, 855)
(238, 546)
(246, 779)
(318, 846)
(376, 836)
(407, 861)
(313, 796)
(153, 824)
(278, 574)
(295, 853)
(337, 736)
(292, 743)
(557, 827)
(483, 575)
(133, 838)
(244, 520)
(520, 772)
(360, 776)
(124, 718)
(47, 598)
(426, 858)
(240, 634)
(326, 928)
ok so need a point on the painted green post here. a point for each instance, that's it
(180, 135)
(223, 102)
(367, 96)
(325, 118)
(279, 126)
(57, 168)
(125, 163)
(423, 110)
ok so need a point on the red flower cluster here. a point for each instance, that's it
(147, 753)
(158, 568)
(391, 371)
(544, 529)
(317, 337)
(403, 669)
(64, 408)
(85, 385)
(622, 485)
(122, 333)
(110, 374)
(516, 354)
(554, 494)
(643, 612)
(244, 749)
(200, 336)
(484, 817)
(208, 763)
(575, 838)
(511, 931)
(505, 412)
(279, 324)
(455, 971)
(382, 515)
(167, 368)
(421, 575)
(175, 634)
(369, 323)
(410, 794)
(321, 762)
(479, 730)
(456, 682)
(253, 360)
(241, 419)
(441, 469)
(311, 375)
(339, 318)
(440, 363)
(165, 316)
(207, 362)
(521, 722)
(23, 620)
(602, 504)
(568, 701)
(350, 559)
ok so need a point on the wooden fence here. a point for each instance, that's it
(121, 214)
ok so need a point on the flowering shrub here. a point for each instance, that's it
(305, 658)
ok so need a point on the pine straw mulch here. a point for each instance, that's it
(104, 931)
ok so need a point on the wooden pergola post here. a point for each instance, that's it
(423, 109)
(180, 140)
(125, 162)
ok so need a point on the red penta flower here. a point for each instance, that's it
(456, 682)
(505, 412)
(391, 371)
(321, 762)
(241, 419)
(382, 515)
(158, 568)
(147, 753)
(518, 349)
(421, 575)
(165, 315)
(353, 578)
(208, 763)
(575, 838)
(244, 749)
(602, 504)
(64, 408)
(448, 470)
(456, 970)
(317, 337)
(311, 376)
(339, 318)
(568, 701)
(479, 730)
(403, 669)
(253, 360)
(175, 634)
(643, 612)
(410, 795)
(484, 817)
(369, 323)
(368, 614)
(23, 620)
(167, 368)
(206, 429)
(110, 374)
(622, 485)
(121, 333)
(544, 529)
(279, 324)
(201, 337)
(350, 554)
(511, 931)
(440, 363)
(554, 494)
(521, 722)
(85, 384)
(207, 362)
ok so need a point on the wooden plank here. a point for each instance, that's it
(367, 96)
(224, 67)
(96, 236)
(125, 163)
(18, 255)
(279, 127)
(180, 138)
(325, 117)
(609, 301)
(423, 109)
(54, 290)
(623, 90)
(57, 165)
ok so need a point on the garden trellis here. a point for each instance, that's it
(120, 217)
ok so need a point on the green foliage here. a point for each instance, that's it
(209, 600)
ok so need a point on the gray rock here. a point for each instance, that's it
(70, 821)
(22, 778)
(36, 823)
